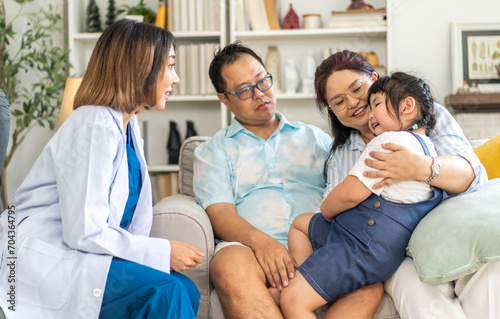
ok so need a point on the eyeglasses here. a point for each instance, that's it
(247, 92)
(357, 89)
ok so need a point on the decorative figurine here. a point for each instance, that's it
(111, 14)
(291, 77)
(291, 20)
(360, 5)
(190, 130)
(93, 17)
(307, 73)
(173, 144)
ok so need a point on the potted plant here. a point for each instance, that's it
(139, 10)
(32, 52)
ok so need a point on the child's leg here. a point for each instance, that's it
(299, 299)
(298, 239)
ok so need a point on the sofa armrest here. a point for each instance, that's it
(180, 218)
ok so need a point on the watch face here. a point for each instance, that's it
(436, 167)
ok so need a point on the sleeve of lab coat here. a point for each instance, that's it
(85, 171)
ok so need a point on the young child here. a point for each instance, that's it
(361, 234)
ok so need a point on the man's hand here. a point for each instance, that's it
(398, 165)
(276, 261)
(183, 256)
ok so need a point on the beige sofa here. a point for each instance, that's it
(179, 217)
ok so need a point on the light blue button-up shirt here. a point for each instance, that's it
(269, 181)
(447, 137)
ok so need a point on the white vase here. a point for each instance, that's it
(273, 66)
(291, 77)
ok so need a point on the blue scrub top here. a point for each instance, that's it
(134, 182)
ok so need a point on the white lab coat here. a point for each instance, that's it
(69, 208)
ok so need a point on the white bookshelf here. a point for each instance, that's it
(206, 111)
(293, 44)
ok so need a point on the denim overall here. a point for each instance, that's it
(363, 245)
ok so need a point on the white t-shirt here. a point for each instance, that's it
(403, 192)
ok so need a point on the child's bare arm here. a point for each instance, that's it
(344, 196)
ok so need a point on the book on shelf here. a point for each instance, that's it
(210, 48)
(163, 185)
(170, 15)
(357, 18)
(184, 14)
(199, 15)
(242, 23)
(212, 15)
(257, 15)
(192, 63)
(193, 15)
(182, 61)
(272, 14)
(203, 66)
(193, 69)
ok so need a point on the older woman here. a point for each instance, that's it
(341, 83)
(83, 214)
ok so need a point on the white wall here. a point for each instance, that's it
(421, 36)
(420, 43)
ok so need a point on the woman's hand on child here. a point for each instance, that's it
(396, 166)
(184, 256)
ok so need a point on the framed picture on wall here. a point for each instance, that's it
(475, 55)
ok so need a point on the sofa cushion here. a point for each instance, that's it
(458, 236)
(186, 163)
(489, 155)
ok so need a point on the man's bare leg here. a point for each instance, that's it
(241, 284)
(359, 304)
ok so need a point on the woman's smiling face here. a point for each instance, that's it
(356, 112)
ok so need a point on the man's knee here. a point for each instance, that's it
(233, 264)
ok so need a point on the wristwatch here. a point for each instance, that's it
(435, 169)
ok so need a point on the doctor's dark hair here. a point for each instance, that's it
(225, 56)
(123, 69)
(400, 85)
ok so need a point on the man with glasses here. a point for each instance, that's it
(253, 178)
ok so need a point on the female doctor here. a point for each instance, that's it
(83, 214)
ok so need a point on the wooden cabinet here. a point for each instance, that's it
(474, 102)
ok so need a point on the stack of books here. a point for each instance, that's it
(193, 15)
(164, 185)
(192, 63)
(256, 15)
(358, 18)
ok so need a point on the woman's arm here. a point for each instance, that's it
(344, 196)
(400, 165)
(461, 169)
